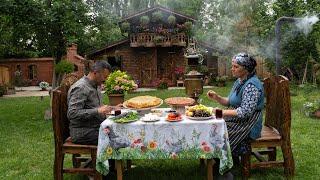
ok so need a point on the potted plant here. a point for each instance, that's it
(144, 21)
(312, 109)
(221, 81)
(188, 27)
(171, 20)
(125, 26)
(157, 16)
(179, 71)
(117, 85)
(158, 39)
(43, 85)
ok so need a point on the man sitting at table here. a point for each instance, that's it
(85, 108)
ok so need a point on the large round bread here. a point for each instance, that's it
(143, 102)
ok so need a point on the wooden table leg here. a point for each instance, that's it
(129, 163)
(210, 163)
(119, 169)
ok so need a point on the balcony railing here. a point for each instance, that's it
(153, 39)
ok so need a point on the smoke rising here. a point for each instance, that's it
(305, 24)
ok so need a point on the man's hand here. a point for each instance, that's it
(119, 106)
(212, 95)
(105, 109)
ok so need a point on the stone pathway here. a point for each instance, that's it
(36, 91)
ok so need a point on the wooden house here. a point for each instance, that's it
(156, 41)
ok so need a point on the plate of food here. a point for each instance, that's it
(179, 103)
(174, 117)
(126, 117)
(199, 112)
(143, 103)
(150, 117)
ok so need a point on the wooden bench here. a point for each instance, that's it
(62, 139)
(275, 132)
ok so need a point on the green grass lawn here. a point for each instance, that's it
(27, 145)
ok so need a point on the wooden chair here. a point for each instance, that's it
(63, 142)
(276, 130)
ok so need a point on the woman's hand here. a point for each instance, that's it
(212, 95)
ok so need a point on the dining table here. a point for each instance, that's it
(188, 138)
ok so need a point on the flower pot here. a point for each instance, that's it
(317, 114)
(115, 99)
(43, 89)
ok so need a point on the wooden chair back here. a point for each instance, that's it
(60, 108)
(276, 130)
(278, 105)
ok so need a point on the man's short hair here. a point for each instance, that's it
(100, 65)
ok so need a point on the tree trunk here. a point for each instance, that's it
(305, 74)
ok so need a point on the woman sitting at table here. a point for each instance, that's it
(245, 101)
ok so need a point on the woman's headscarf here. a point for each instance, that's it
(248, 62)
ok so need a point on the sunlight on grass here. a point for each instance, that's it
(27, 146)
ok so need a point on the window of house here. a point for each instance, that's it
(32, 71)
(115, 62)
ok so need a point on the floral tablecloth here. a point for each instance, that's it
(187, 139)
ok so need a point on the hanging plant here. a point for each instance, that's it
(188, 25)
(125, 26)
(171, 20)
(157, 16)
(144, 20)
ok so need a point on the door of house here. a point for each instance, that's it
(165, 64)
(4, 75)
(148, 69)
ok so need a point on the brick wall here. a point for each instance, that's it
(43, 70)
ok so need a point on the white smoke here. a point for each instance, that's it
(305, 24)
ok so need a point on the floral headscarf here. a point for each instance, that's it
(248, 62)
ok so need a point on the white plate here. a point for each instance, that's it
(200, 118)
(149, 120)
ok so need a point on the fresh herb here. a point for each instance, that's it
(126, 117)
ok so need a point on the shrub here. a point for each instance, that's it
(2, 90)
(160, 84)
(64, 67)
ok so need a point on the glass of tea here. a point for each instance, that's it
(117, 112)
(219, 113)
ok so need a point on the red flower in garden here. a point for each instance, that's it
(137, 141)
(206, 148)
(203, 143)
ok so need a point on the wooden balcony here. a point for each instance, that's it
(153, 39)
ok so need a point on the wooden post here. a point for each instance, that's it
(119, 169)
(210, 169)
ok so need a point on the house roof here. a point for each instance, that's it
(101, 50)
(155, 8)
(27, 59)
